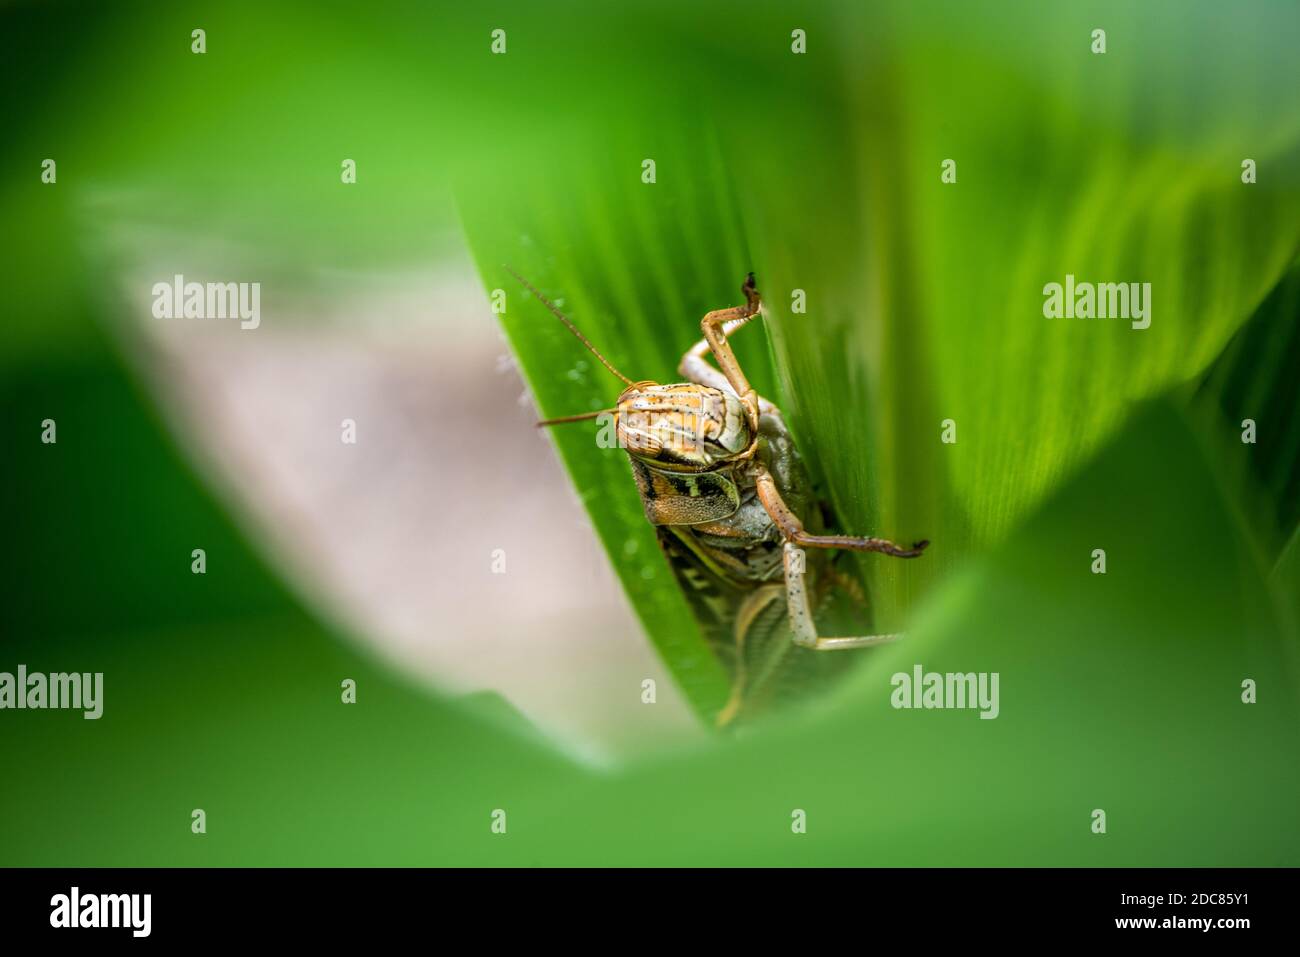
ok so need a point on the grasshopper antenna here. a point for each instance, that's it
(576, 418)
(572, 328)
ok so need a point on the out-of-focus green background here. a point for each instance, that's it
(820, 170)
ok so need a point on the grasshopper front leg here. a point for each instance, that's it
(716, 326)
(792, 530)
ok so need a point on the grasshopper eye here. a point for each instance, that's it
(733, 432)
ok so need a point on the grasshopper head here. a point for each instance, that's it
(686, 425)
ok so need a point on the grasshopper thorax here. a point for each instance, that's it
(684, 425)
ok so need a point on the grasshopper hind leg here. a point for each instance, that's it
(801, 617)
(792, 530)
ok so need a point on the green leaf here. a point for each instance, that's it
(622, 306)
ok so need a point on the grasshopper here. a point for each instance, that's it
(721, 480)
